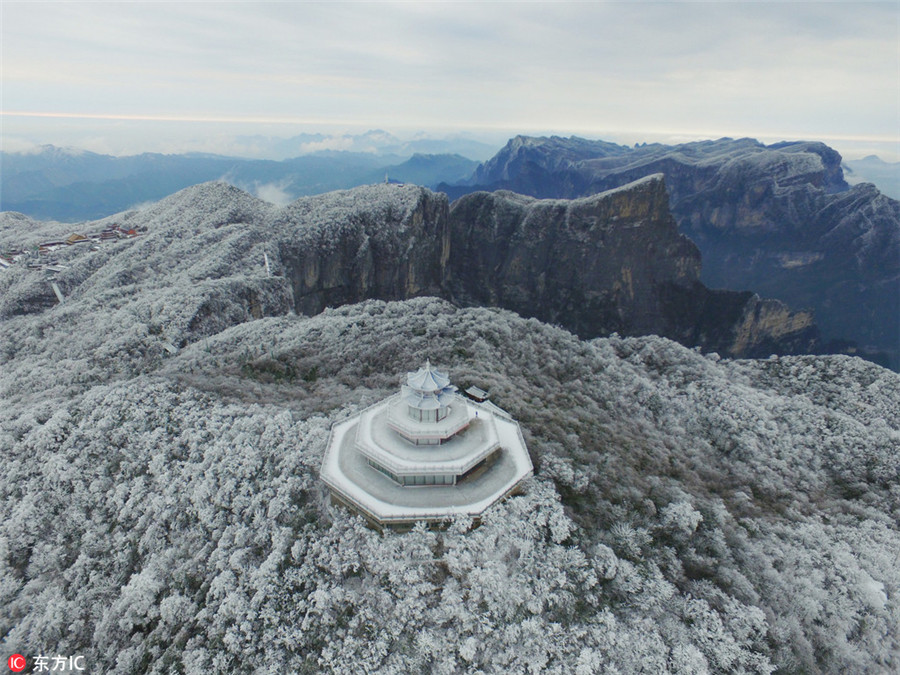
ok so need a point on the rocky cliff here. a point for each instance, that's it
(388, 242)
(613, 262)
(779, 219)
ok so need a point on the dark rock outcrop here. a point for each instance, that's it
(24, 292)
(614, 262)
(779, 219)
(233, 301)
(387, 242)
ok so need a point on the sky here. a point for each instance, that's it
(128, 77)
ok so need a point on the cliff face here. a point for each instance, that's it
(613, 262)
(387, 242)
(842, 259)
(778, 219)
(568, 167)
(591, 264)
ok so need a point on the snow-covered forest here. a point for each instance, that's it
(162, 512)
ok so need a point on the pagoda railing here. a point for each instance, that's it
(399, 421)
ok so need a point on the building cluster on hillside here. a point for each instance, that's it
(38, 256)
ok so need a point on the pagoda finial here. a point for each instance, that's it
(427, 364)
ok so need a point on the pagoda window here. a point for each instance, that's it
(427, 415)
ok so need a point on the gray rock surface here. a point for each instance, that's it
(613, 262)
(778, 219)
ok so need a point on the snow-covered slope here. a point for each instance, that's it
(688, 514)
(199, 266)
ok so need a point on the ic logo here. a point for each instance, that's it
(16, 663)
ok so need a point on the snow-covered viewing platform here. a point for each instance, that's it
(425, 454)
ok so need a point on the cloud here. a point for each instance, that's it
(751, 67)
(142, 206)
(274, 193)
(20, 145)
(328, 143)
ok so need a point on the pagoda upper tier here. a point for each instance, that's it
(427, 394)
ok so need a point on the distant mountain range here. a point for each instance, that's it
(884, 175)
(69, 186)
(373, 142)
(778, 219)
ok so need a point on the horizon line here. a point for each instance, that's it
(598, 131)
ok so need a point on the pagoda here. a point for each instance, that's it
(426, 453)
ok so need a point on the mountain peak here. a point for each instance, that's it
(207, 206)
